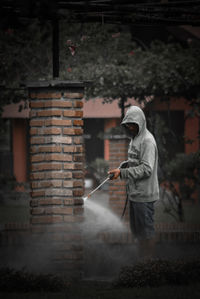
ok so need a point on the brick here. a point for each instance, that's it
(47, 219)
(73, 95)
(78, 201)
(46, 113)
(69, 149)
(78, 166)
(78, 183)
(74, 219)
(78, 210)
(33, 149)
(78, 192)
(37, 193)
(46, 166)
(37, 158)
(69, 202)
(49, 131)
(37, 211)
(58, 103)
(37, 176)
(73, 201)
(33, 131)
(58, 192)
(34, 104)
(68, 184)
(78, 175)
(78, 122)
(71, 131)
(69, 165)
(58, 139)
(78, 140)
(78, 158)
(45, 184)
(49, 149)
(37, 123)
(59, 210)
(78, 104)
(37, 140)
(58, 157)
(50, 201)
(58, 122)
(72, 113)
(58, 175)
(73, 149)
(45, 95)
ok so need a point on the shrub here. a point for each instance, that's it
(23, 281)
(159, 272)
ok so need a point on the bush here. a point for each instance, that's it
(22, 281)
(185, 168)
(159, 273)
(99, 168)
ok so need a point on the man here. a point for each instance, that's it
(142, 182)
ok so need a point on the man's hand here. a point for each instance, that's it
(115, 172)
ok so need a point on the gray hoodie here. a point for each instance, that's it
(141, 174)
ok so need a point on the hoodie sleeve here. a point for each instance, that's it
(144, 169)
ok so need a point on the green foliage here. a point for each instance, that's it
(185, 169)
(25, 54)
(99, 168)
(120, 68)
(180, 168)
(22, 281)
(185, 166)
(158, 273)
(105, 54)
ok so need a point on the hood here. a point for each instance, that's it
(135, 115)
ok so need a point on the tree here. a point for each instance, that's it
(25, 54)
(122, 69)
(106, 54)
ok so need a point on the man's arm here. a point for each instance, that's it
(144, 169)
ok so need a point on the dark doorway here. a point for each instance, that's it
(94, 143)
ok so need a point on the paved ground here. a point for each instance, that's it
(107, 259)
(102, 260)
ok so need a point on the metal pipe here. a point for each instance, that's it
(88, 196)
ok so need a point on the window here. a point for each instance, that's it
(5, 147)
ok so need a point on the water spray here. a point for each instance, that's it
(107, 179)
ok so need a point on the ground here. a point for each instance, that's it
(95, 284)
(102, 290)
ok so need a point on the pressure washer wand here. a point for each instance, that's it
(107, 179)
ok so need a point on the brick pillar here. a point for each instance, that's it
(117, 189)
(57, 171)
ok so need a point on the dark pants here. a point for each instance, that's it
(142, 219)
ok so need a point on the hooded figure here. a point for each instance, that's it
(140, 173)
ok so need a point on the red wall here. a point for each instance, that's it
(20, 150)
(108, 124)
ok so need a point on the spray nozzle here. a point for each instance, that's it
(111, 176)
